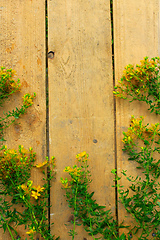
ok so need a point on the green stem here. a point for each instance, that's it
(90, 222)
(75, 208)
(9, 230)
(35, 220)
(112, 231)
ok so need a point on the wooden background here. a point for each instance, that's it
(82, 113)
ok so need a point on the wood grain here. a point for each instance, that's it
(81, 105)
(22, 48)
(81, 112)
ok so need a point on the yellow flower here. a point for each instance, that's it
(67, 169)
(24, 187)
(11, 151)
(76, 171)
(39, 188)
(41, 164)
(15, 85)
(31, 231)
(81, 155)
(35, 194)
(27, 99)
(129, 138)
(154, 127)
(24, 151)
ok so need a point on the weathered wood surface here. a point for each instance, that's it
(22, 48)
(81, 111)
(81, 105)
(136, 35)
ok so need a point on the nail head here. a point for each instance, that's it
(51, 54)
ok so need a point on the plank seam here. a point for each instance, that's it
(47, 105)
(114, 101)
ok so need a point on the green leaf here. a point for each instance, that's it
(4, 225)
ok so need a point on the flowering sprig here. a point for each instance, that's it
(11, 116)
(15, 167)
(86, 210)
(15, 170)
(7, 87)
(7, 84)
(31, 232)
(141, 199)
(141, 83)
(31, 190)
(143, 140)
(28, 100)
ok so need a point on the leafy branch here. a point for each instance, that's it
(141, 83)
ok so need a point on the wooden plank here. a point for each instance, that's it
(136, 35)
(81, 112)
(22, 43)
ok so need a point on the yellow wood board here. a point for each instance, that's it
(81, 106)
(81, 111)
(136, 35)
(22, 48)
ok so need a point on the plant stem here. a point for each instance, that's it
(87, 206)
(9, 231)
(75, 208)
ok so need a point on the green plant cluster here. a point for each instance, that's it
(141, 83)
(95, 218)
(142, 198)
(142, 144)
(18, 190)
(16, 187)
(15, 167)
(8, 86)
